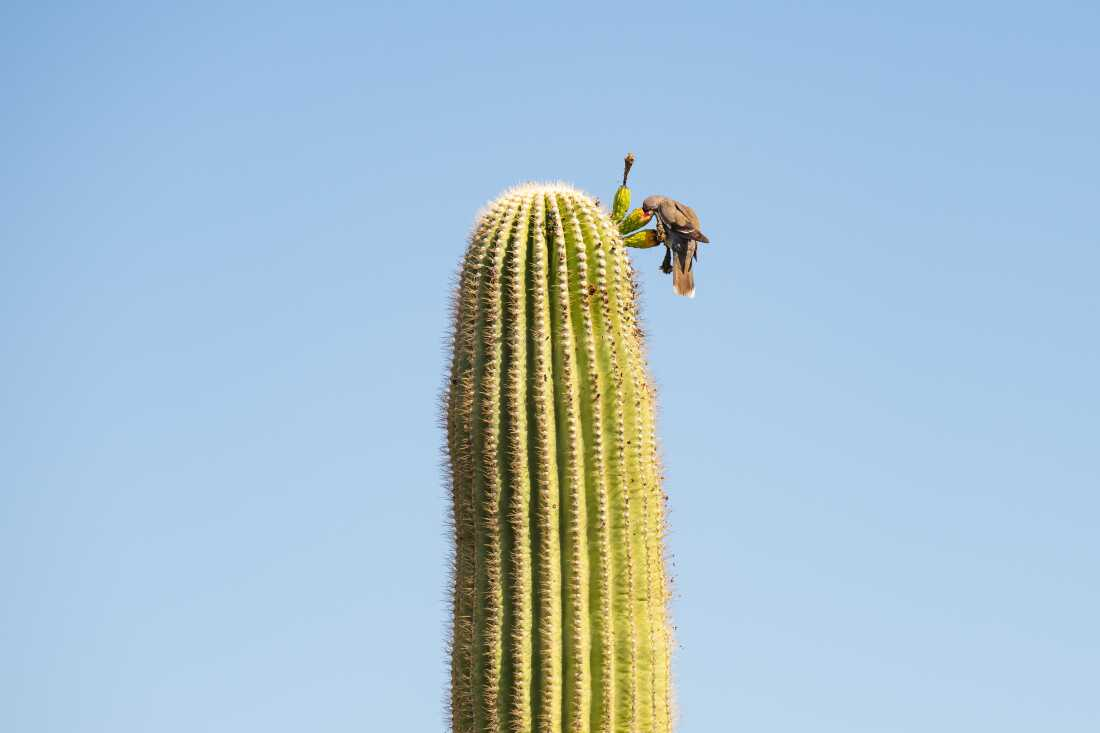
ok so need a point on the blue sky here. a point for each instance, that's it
(226, 246)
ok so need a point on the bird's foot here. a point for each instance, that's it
(666, 264)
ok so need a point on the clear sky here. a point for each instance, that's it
(227, 241)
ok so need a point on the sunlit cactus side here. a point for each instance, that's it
(560, 583)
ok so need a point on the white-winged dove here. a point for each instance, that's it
(678, 228)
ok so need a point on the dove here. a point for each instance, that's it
(678, 229)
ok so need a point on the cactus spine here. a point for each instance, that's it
(560, 587)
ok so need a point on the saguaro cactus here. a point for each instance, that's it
(560, 587)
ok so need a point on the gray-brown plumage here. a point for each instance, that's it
(678, 229)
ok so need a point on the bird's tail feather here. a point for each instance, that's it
(683, 283)
(683, 279)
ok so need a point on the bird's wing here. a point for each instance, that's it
(681, 218)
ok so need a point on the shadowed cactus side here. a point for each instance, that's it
(560, 586)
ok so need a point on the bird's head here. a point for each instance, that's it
(651, 203)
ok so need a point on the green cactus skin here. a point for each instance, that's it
(560, 583)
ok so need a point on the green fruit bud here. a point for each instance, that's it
(634, 221)
(621, 205)
(642, 240)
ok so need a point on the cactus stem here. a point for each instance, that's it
(560, 590)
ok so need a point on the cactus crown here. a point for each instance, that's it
(560, 587)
